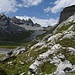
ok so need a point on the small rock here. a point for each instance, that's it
(61, 73)
(67, 69)
(22, 63)
(23, 73)
(10, 63)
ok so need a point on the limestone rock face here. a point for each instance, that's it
(66, 13)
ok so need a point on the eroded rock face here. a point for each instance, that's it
(66, 13)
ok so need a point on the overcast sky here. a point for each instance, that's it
(44, 12)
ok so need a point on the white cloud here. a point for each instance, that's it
(59, 4)
(28, 3)
(7, 6)
(42, 22)
(47, 9)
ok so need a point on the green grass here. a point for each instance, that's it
(68, 56)
(2, 55)
(9, 47)
(40, 37)
(71, 58)
(2, 71)
(47, 68)
(16, 39)
(67, 42)
(21, 37)
(35, 54)
(64, 27)
(74, 28)
(17, 68)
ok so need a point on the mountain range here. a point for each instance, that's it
(12, 28)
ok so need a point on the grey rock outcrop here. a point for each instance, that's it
(66, 13)
(14, 52)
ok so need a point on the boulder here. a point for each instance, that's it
(18, 50)
(67, 69)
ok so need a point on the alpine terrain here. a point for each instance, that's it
(53, 53)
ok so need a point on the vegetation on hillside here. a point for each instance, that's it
(16, 67)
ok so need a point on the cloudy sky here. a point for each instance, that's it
(44, 12)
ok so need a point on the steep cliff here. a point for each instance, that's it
(66, 13)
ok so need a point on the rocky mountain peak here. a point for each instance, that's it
(66, 13)
(29, 22)
(17, 21)
(3, 17)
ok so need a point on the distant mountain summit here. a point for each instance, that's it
(8, 26)
(17, 21)
(15, 29)
(66, 13)
(28, 22)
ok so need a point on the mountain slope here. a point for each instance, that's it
(60, 51)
